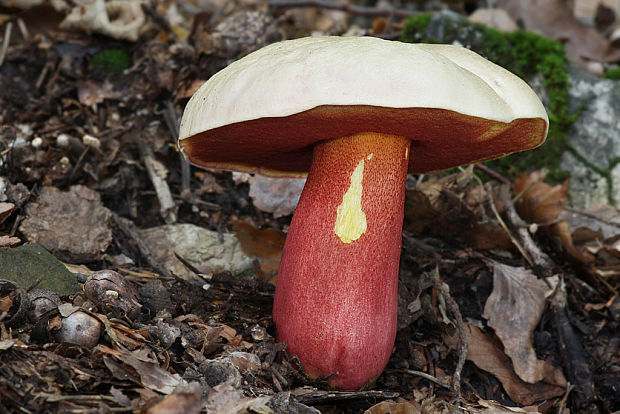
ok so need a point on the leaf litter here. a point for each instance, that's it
(89, 171)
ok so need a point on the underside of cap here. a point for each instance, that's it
(264, 112)
(282, 146)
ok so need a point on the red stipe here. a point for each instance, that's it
(336, 303)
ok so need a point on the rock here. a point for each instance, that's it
(205, 250)
(595, 136)
(72, 225)
(26, 264)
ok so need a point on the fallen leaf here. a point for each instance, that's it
(203, 249)
(391, 407)
(8, 241)
(487, 356)
(71, 227)
(276, 195)
(226, 399)
(6, 303)
(152, 376)
(597, 217)
(177, 403)
(265, 245)
(543, 204)
(419, 212)
(5, 211)
(493, 407)
(91, 93)
(540, 203)
(513, 310)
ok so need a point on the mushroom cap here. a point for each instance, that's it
(264, 112)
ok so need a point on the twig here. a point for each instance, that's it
(5, 41)
(170, 116)
(167, 207)
(537, 255)
(426, 376)
(575, 362)
(453, 307)
(131, 232)
(492, 173)
(23, 29)
(316, 397)
(507, 230)
(349, 8)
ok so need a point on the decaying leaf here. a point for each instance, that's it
(483, 352)
(70, 224)
(205, 250)
(5, 211)
(276, 195)
(265, 245)
(513, 310)
(91, 93)
(149, 374)
(226, 399)
(540, 203)
(493, 407)
(391, 407)
(184, 402)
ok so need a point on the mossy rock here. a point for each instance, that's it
(31, 265)
(529, 56)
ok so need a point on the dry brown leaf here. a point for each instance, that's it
(487, 236)
(5, 211)
(493, 407)
(540, 203)
(561, 230)
(391, 407)
(226, 399)
(487, 356)
(177, 403)
(152, 376)
(8, 241)
(91, 93)
(6, 303)
(419, 213)
(265, 245)
(513, 310)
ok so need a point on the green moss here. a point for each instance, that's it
(111, 60)
(527, 55)
(415, 26)
(613, 73)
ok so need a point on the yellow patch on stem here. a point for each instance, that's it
(350, 219)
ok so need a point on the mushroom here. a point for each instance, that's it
(356, 114)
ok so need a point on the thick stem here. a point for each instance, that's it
(336, 298)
